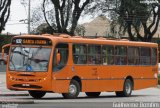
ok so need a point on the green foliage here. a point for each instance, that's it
(44, 29)
(5, 39)
(135, 17)
(80, 30)
(64, 14)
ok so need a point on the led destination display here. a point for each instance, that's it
(31, 41)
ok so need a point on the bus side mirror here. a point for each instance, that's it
(57, 58)
(5, 52)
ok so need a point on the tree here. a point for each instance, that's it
(139, 19)
(4, 13)
(43, 29)
(66, 14)
(64, 17)
(80, 30)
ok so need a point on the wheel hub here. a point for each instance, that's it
(128, 88)
(72, 89)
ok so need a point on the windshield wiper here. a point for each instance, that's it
(19, 52)
(38, 60)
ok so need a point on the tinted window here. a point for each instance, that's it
(145, 56)
(60, 56)
(133, 56)
(79, 54)
(94, 54)
(120, 55)
(108, 55)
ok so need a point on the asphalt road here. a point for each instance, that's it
(65, 105)
(54, 100)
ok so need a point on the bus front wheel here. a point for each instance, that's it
(37, 94)
(74, 89)
(93, 94)
(127, 89)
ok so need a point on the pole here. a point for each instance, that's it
(29, 18)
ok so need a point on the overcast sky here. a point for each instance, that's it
(19, 12)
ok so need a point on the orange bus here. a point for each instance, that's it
(69, 65)
(4, 54)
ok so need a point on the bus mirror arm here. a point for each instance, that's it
(3, 60)
(57, 58)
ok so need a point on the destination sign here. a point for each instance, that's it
(31, 41)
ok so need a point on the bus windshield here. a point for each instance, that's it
(30, 59)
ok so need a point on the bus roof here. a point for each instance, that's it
(79, 39)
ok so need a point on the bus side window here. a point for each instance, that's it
(108, 55)
(120, 55)
(145, 56)
(133, 56)
(79, 54)
(94, 54)
(60, 57)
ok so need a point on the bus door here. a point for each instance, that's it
(60, 69)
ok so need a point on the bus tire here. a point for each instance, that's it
(93, 94)
(37, 94)
(127, 89)
(74, 89)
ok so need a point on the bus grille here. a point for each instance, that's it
(25, 80)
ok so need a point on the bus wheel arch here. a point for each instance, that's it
(130, 78)
(127, 87)
(74, 90)
(78, 79)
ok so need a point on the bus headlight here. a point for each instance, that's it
(10, 77)
(155, 75)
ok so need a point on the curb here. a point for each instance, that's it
(15, 101)
(9, 94)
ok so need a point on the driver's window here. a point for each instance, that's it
(60, 57)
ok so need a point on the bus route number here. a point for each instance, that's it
(18, 41)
